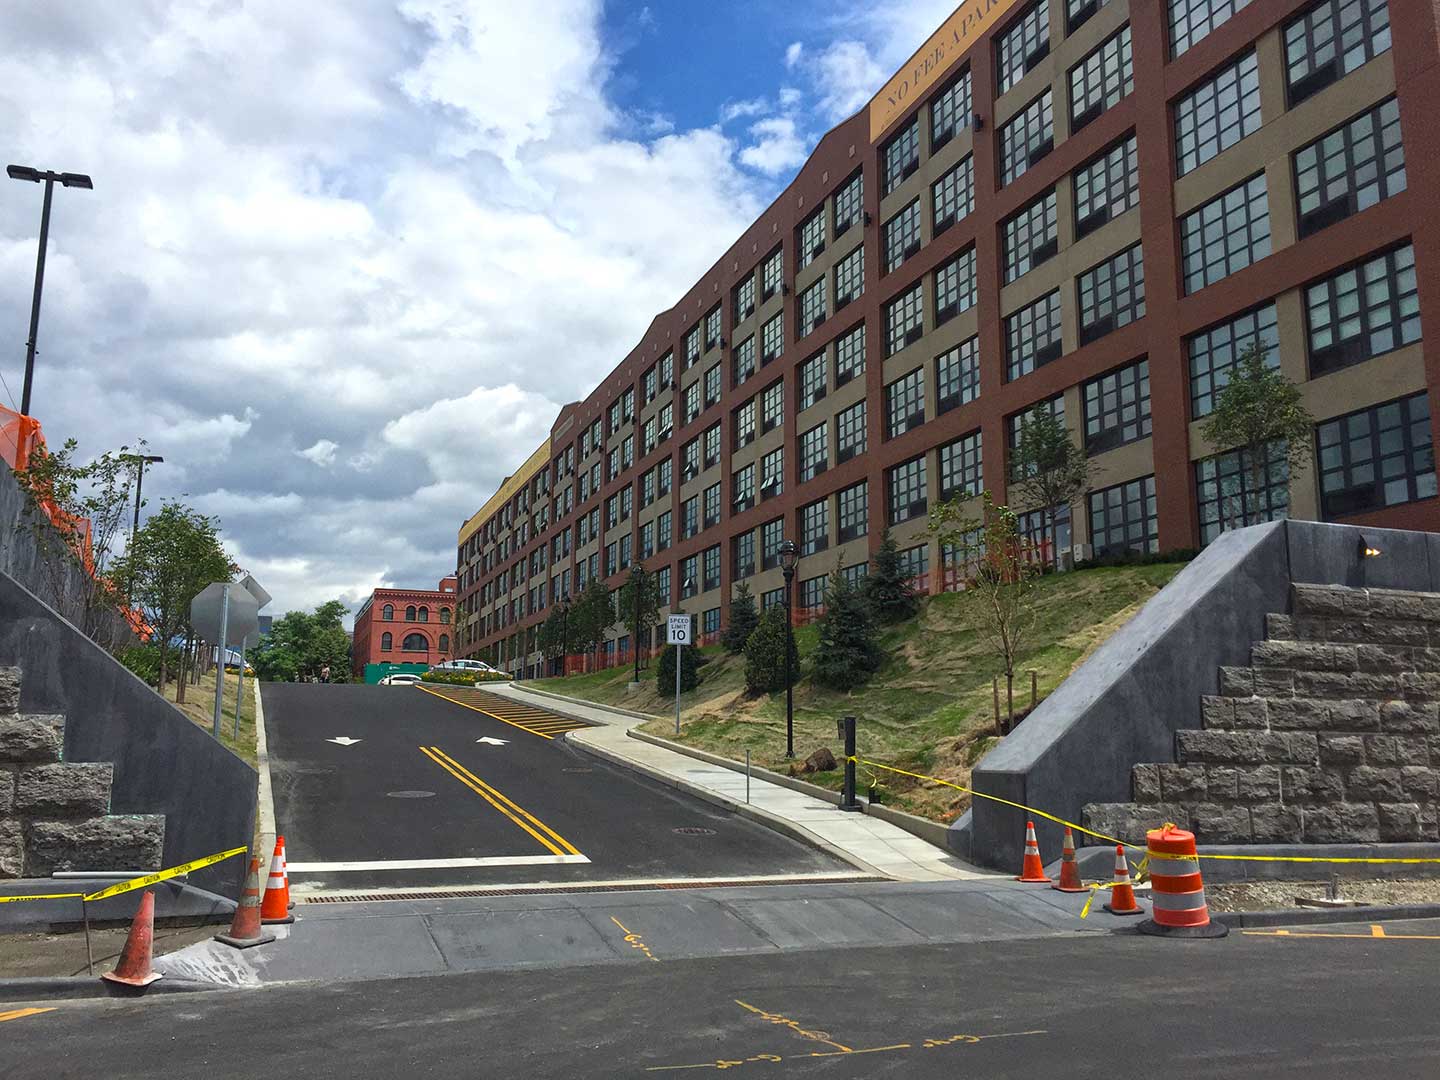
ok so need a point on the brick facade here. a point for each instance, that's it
(414, 616)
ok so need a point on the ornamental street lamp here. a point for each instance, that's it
(34, 176)
(637, 576)
(789, 557)
(141, 460)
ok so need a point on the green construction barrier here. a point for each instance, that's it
(375, 672)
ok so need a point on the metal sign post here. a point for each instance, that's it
(239, 691)
(226, 614)
(679, 636)
(220, 656)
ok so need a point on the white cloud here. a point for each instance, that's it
(793, 52)
(735, 110)
(322, 453)
(778, 146)
(846, 76)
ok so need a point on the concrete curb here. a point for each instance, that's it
(747, 810)
(527, 688)
(43, 988)
(1318, 916)
(265, 793)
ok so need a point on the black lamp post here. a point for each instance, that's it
(789, 556)
(141, 460)
(564, 632)
(75, 180)
(637, 574)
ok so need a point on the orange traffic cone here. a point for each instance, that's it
(276, 906)
(1031, 868)
(134, 968)
(285, 869)
(1069, 868)
(245, 927)
(1122, 896)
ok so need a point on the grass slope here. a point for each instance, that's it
(199, 706)
(928, 710)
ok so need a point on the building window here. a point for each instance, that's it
(690, 460)
(1231, 493)
(745, 298)
(689, 577)
(663, 531)
(905, 403)
(742, 555)
(1016, 423)
(692, 347)
(1214, 352)
(410, 613)
(957, 376)
(710, 502)
(1106, 187)
(415, 643)
(811, 593)
(772, 535)
(710, 564)
(850, 432)
(743, 424)
(772, 336)
(662, 586)
(444, 616)
(712, 379)
(961, 468)
(849, 356)
(855, 574)
(1331, 40)
(710, 621)
(955, 289)
(902, 236)
(953, 195)
(1101, 80)
(904, 319)
(772, 598)
(1021, 46)
(915, 561)
(1030, 236)
(387, 642)
(854, 516)
(612, 563)
(812, 308)
(647, 540)
(849, 203)
(1227, 234)
(906, 490)
(689, 517)
(815, 527)
(666, 471)
(1032, 336)
(1112, 294)
(1376, 457)
(744, 367)
(772, 406)
(1363, 311)
(1350, 169)
(812, 239)
(667, 370)
(849, 282)
(772, 273)
(1117, 408)
(1122, 518)
(901, 157)
(445, 642)
(1079, 12)
(711, 442)
(812, 381)
(814, 452)
(742, 488)
(388, 613)
(1027, 138)
(1218, 113)
(712, 327)
(1191, 20)
(772, 473)
(692, 401)
(950, 112)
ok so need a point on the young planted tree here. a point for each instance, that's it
(1003, 570)
(665, 670)
(1048, 470)
(743, 620)
(551, 639)
(639, 588)
(765, 654)
(592, 616)
(1259, 412)
(847, 653)
(887, 589)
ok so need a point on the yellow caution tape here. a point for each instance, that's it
(142, 882)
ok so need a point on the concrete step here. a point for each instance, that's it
(1246, 748)
(1346, 631)
(1335, 601)
(101, 843)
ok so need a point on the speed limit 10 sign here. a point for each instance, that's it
(679, 626)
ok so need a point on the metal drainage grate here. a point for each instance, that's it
(410, 794)
(693, 830)
(549, 890)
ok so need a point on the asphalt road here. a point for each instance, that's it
(417, 787)
(1254, 1005)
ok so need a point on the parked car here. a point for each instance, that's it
(400, 678)
(462, 665)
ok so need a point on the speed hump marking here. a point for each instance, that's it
(679, 627)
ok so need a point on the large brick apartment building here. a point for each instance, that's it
(404, 626)
(1081, 205)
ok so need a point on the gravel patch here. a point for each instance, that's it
(1273, 895)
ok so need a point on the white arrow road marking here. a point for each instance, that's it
(492, 742)
(344, 740)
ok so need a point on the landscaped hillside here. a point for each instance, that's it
(928, 710)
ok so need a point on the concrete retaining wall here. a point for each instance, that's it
(1124, 705)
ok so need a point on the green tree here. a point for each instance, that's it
(300, 643)
(665, 670)
(1048, 470)
(551, 639)
(1260, 413)
(887, 588)
(640, 583)
(847, 653)
(592, 616)
(743, 620)
(171, 559)
(765, 653)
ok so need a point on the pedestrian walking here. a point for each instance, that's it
(325, 674)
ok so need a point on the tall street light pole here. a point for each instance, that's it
(564, 634)
(637, 573)
(35, 176)
(789, 556)
(141, 460)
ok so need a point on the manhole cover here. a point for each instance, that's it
(578, 770)
(410, 794)
(693, 830)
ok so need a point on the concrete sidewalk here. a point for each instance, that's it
(865, 842)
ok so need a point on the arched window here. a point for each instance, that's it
(410, 613)
(424, 614)
(444, 616)
(415, 643)
(386, 642)
(388, 613)
(444, 642)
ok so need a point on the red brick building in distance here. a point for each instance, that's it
(404, 626)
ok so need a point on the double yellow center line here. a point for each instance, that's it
(547, 836)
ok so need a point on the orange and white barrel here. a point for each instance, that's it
(1177, 893)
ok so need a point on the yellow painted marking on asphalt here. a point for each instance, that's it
(476, 708)
(20, 1014)
(547, 836)
(537, 722)
(634, 939)
(794, 1025)
(1375, 932)
(722, 1064)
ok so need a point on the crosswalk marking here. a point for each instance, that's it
(546, 725)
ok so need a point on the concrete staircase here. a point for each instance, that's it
(54, 814)
(1330, 736)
